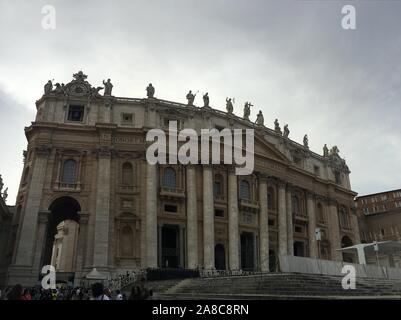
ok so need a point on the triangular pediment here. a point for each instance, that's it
(266, 149)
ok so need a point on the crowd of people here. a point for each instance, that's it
(97, 291)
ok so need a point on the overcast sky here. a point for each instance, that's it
(291, 59)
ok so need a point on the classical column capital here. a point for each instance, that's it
(281, 183)
(321, 198)
(104, 152)
(310, 195)
(332, 202)
(83, 218)
(262, 177)
(43, 150)
(290, 187)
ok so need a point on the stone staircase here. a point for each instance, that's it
(157, 286)
(279, 286)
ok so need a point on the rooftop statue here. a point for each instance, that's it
(325, 151)
(260, 120)
(95, 91)
(206, 99)
(306, 141)
(229, 105)
(60, 89)
(5, 194)
(191, 98)
(48, 87)
(247, 110)
(1, 183)
(80, 76)
(108, 87)
(150, 91)
(277, 126)
(334, 151)
(286, 131)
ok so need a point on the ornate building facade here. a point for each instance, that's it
(86, 162)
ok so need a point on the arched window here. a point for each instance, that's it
(244, 190)
(218, 185)
(127, 174)
(344, 219)
(169, 179)
(271, 203)
(69, 171)
(296, 206)
(320, 214)
(127, 242)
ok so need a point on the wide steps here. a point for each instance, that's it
(283, 285)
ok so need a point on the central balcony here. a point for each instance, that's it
(169, 192)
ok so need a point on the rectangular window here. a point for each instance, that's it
(272, 222)
(317, 170)
(170, 208)
(76, 113)
(299, 229)
(127, 119)
(219, 213)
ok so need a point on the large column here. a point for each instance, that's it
(290, 228)
(43, 220)
(355, 225)
(233, 237)
(192, 218)
(208, 218)
(102, 215)
(282, 220)
(151, 216)
(334, 231)
(310, 207)
(263, 225)
(27, 238)
(81, 246)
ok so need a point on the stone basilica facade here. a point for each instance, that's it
(85, 162)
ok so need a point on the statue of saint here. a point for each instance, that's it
(334, 151)
(150, 91)
(107, 87)
(325, 151)
(48, 87)
(229, 105)
(286, 131)
(1, 183)
(306, 141)
(247, 110)
(191, 98)
(277, 126)
(260, 119)
(206, 99)
(95, 91)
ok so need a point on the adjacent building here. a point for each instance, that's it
(6, 224)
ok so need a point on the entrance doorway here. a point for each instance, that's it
(347, 256)
(299, 249)
(247, 251)
(62, 237)
(170, 242)
(219, 257)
